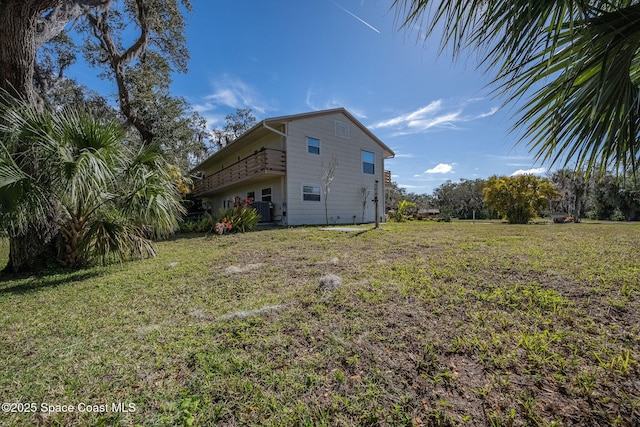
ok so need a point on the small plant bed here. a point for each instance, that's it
(420, 324)
(240, 218)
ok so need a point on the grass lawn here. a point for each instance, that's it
(434, 324)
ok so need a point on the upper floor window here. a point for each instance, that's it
(368, 162)
(313, 145)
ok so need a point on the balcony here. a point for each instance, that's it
(265, 163)
(387, 178)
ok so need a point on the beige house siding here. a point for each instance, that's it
(340, 136)
(304, 168)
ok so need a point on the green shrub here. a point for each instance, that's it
(617, 215)
(206, 224)
(401, 213)
(242, 218)
(188, 226)
(233, 220)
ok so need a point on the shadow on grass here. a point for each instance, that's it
(184, 236)
(18, 284)
(199, 235)
(364, 231)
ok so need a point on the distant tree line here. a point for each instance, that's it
(614, 197)
(455, 199)
(609, 196)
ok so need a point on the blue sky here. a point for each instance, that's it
(282, 57)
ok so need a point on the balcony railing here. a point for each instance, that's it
(267, 162)
(387, 178)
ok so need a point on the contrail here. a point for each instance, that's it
(357, 17)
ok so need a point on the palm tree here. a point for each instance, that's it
(109, 196)
(575, 63)
(574, 189)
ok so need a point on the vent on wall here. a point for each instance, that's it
(342, 129)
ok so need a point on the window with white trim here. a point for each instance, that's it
(313, 145)
(368, 162)
(311, 193)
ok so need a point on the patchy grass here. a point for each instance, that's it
(432, 324)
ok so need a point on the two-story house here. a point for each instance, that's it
(279, 163)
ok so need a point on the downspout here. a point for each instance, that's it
(283, 181)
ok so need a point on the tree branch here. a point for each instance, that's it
(140, 45)
(53, 23)
(118, 61)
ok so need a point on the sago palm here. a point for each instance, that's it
(574, 63)
(110, 196)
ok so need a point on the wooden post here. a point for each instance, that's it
(375, 201)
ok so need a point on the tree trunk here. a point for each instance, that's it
(31, 249)
(18, 20)
(29, 252)
(578, 209)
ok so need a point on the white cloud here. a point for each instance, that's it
(234, 93)
(433, 107)
(202, 108)
(437, 114)
(487, 114)
(213, 120)
(440, 168)
(532, 171)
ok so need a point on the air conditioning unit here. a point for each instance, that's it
(264, 210)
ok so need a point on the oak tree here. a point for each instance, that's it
(137, 44)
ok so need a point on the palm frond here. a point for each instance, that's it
(109, 240)
(574, 62)
(24, 199)
(106, 199)
(154, 199)
(589, 109)
(92, 155)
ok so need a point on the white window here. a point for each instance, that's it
(368, 162)
(313, 145)
(311, 193)
(266, 194)
(342, 129)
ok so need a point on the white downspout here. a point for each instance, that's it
(283, 181)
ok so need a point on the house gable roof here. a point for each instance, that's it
(265, 126)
